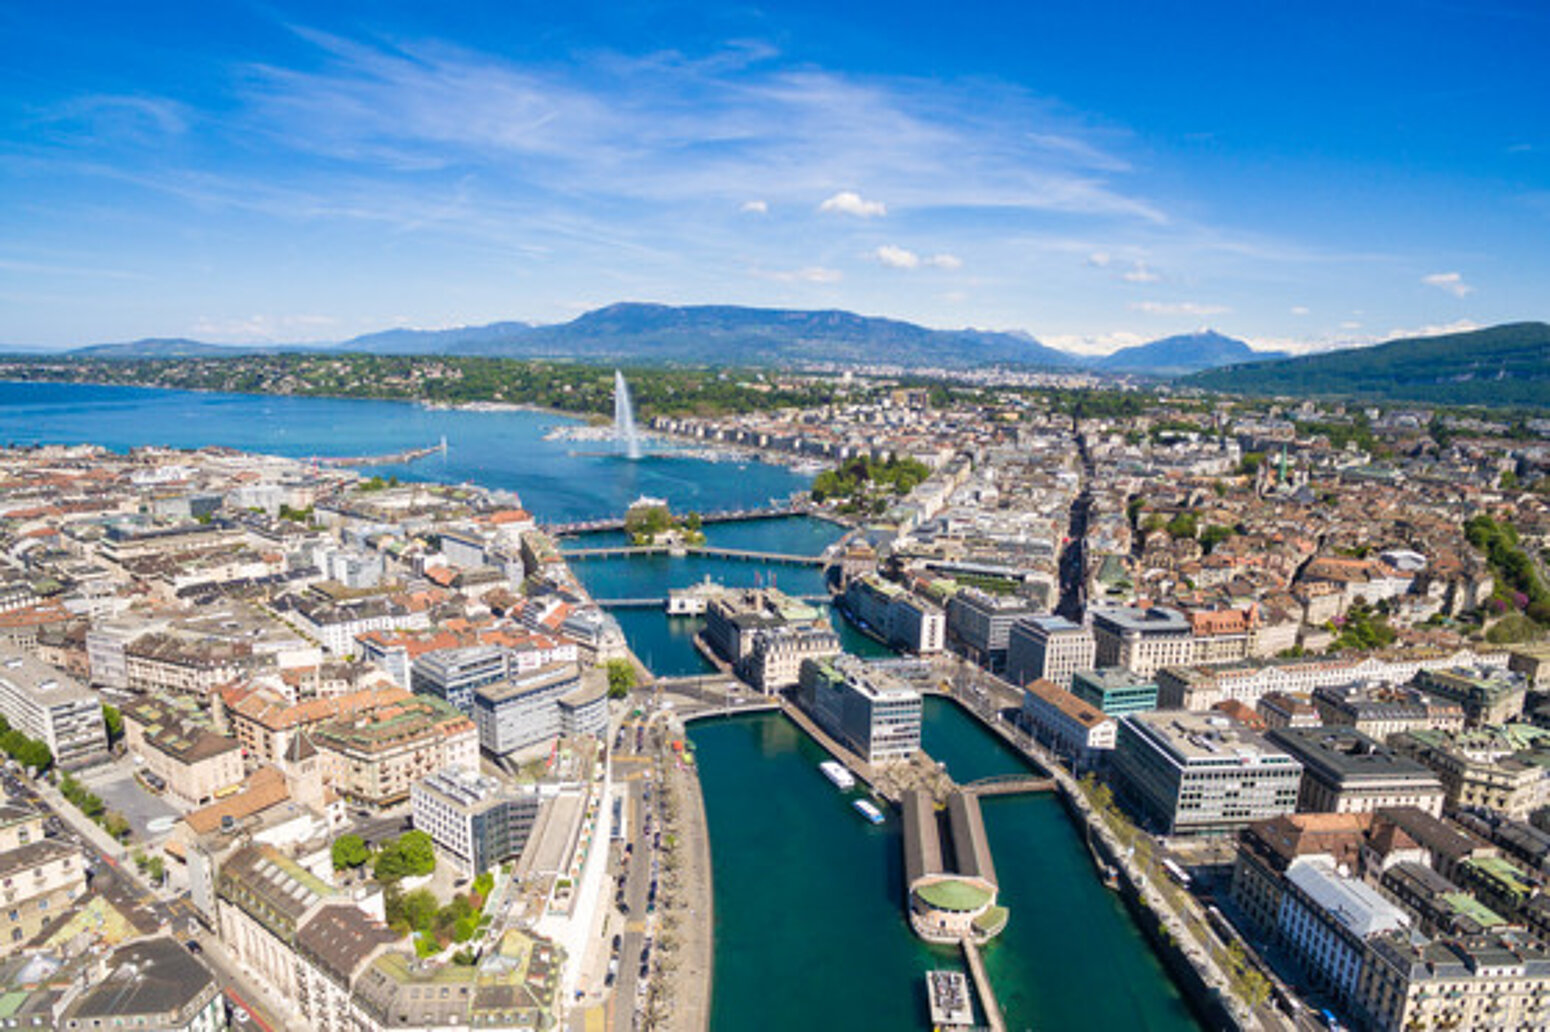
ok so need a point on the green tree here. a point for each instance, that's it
(113, 720)
(350, 851)
(1182, 526)
(1213, 536)
(621, 678)
(419, 910)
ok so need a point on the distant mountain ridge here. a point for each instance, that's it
(1501, 365)
(728, 335)
(1186, 353)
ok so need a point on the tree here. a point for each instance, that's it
(156, 867)
(350, 851)
(1213, 536)
(621, 678)
(114, 721)
(419, 910)
(418, 851)
(1182, 526)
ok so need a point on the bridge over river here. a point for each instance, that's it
(745, 554)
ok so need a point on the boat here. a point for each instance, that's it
(867, 810)
(836, 772)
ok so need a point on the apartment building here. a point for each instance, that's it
(1141, 639)
(376, 754)
(195, 764)
(39, 877)
(1049, 648)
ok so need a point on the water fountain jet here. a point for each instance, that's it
(624, 418)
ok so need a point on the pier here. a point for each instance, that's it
(1010, 784)
(745, 554)
(982, 987)
(399, 458)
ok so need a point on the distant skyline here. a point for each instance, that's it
(1097, 175)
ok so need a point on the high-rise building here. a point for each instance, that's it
(865, 709)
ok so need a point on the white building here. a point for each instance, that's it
(44, 704)
(1069, 726)
(1048, 647)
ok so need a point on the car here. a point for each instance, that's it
(618, 941)
(240, 1015)
(193, 946)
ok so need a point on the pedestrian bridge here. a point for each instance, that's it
(1010, 784)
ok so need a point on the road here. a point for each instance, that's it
(1073, 559)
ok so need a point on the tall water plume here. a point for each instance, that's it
(624, 418)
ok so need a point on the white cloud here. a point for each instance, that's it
(902, 258)
(807, 274)
(1140, 273)
(1177, 308)
(848, 202)
(755, 208)
(1452, 282)
(1300, 310)
(1100, 259)
(1350, 324)
(1102, 344)
(294, 329)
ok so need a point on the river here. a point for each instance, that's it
(810, 927)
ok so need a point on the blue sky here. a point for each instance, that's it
(1096, 174)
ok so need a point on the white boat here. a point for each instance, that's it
(868, 811)
(836, 772)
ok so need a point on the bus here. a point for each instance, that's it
(1177, 873)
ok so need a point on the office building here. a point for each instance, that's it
(474, 820)
(1193, 773)
(193, 763)
(1141, 639)
(1115, 691)
(1325, 921)
(867, 710)
(1069, 725)
(453, 674)
(979, 625)
(1051, 648)
(523, 710)
(57, 710)
(1344, 771)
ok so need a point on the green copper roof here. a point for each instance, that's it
(954, 895)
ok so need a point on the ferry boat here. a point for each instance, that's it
(836, 772)
(867, 810)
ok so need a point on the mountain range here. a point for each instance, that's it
(1502, 365)
(731, 335)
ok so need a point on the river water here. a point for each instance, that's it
(810, 928)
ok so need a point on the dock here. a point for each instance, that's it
(398, 458)
(947, 994)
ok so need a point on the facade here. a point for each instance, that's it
(1115, 691)
(1380, 710)
(1278, 709)
(151, 984)
(1493, 980)
(523, 710)
(56, 710)
(1489, 695)
(263, 897)
(979, 625)
(265, 723)
(1048, 647)
(474, 820)
(160, 662)
(374, 755)
(1068, 724)
(334, 946)
(453, 674)
(1325, 921)
(39, 877)
(1488, 777)
(867, 710)
(1141, 640)
(895, 615)
(1344, 771)
(1199, 687)
(765, 635)
(1190, 773)
(1267, 850)
(195, 763)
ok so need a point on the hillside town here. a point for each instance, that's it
(293, 744)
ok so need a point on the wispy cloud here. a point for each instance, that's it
(1177, 308)
(807, 274)
(754, 208)
(1452, 282)
(1299, 310)
(848, 202)
(902, 258)
(1140, 272)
